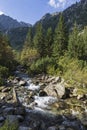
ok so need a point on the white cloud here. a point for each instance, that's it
(1, 12)
(57, 3)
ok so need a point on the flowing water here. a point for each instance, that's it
(39, 103)
(41, 106)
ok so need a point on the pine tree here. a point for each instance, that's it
(84, 44)
(60, 38)
(6, 54)
(73, 42)
(29, 39)
(39, 40)
(49, 42)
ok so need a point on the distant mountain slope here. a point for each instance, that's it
(17, 37)
(9, 23)
(17, 31)
(75, 13)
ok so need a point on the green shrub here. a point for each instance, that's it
(73, 70)
(1, 81)
(3, 72)
(7, 126)
(40, 66)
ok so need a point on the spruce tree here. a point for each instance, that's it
(60, 38)
(39, 40)
(73, 42)
(49, 42)
(29, 39)
(84, 43)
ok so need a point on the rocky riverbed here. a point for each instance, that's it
(42, 103)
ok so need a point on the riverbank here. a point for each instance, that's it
(42, 103)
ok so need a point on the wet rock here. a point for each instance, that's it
(15, 81)
(52, 128)
(22, 83)
(42, 93)
(70, 129)
(29, 100)
(81, 96)
(9, 97)
(62, 127)
(24, 128)
(19, 111)
(12, 119)
(2, 96)
(2, 119)
(84, 121)
(50, 79)
(20, 118)
(8, 111)
(17, 78)
(67, 93)
(76, 125)
(36, 125)
(6, 89)
(1, 88)
(75, 92)
(15, 98)
(57, 80)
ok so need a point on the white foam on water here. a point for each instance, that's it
(32, 87)
(44, 102)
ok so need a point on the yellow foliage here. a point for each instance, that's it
(28, 55)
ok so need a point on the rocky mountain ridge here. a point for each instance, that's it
(75, 13)
(7, 23)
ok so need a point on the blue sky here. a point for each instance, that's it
(31, 11)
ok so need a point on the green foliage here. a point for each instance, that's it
(77, 47)
(84, 44)
(39, 41)
(73, 70)
(40, 66)
(60, 39)
(29, 39)
(17, 37)
(3, 71)
(49, 42)
(28, 56)
(11, 126)
(6, 54)
(73, 46)
(1, 81)
(7, 61)
(55, 54)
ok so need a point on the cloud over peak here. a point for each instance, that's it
(57, 3)
(1, 12)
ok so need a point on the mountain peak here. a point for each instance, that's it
(9, 23)
(47, 15)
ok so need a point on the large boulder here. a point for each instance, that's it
(22, 83)
(57, 90)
